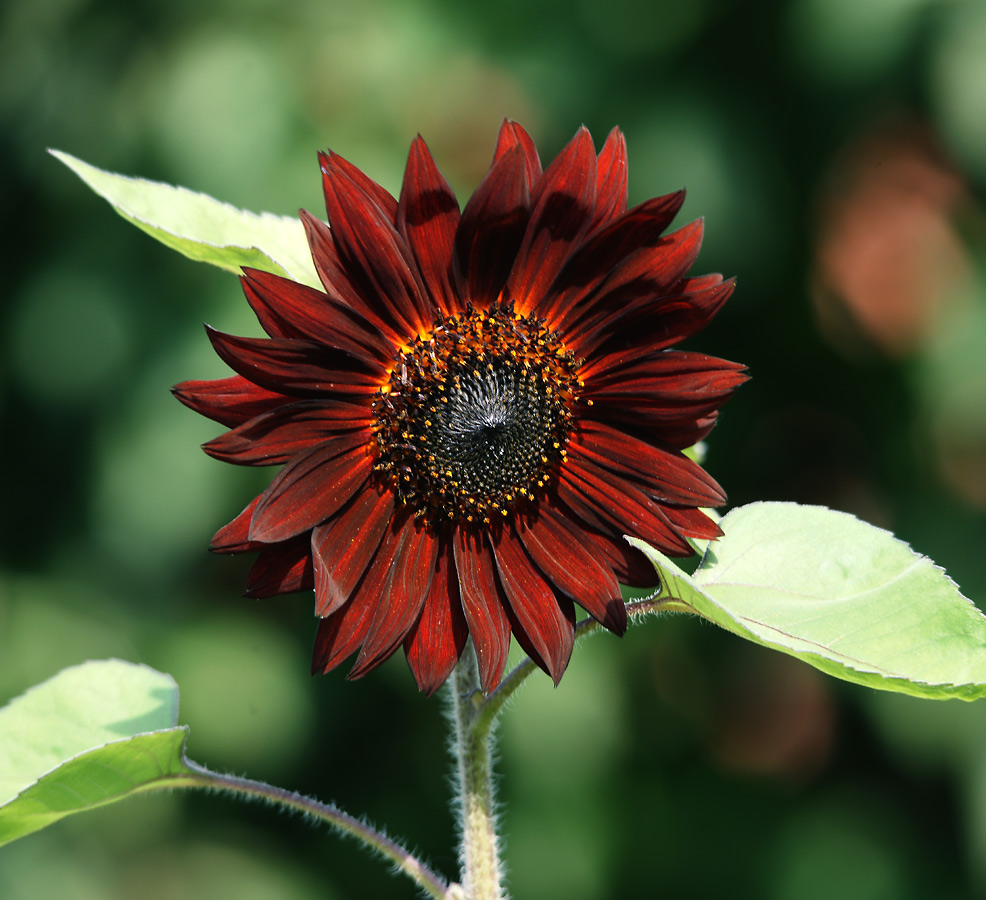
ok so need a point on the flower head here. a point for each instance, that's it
(475, 410)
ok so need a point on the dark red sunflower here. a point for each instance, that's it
(475, 410)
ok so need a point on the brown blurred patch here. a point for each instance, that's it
(777, 719)
(888, 260)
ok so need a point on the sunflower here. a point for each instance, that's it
(475, 409)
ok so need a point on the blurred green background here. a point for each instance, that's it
(837, 149)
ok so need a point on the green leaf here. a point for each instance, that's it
(842, 595)
(201, 227)
(91, 735)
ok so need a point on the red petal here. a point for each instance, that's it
(381, 197)
(593, 261)
(282, 569)
(670, 378)
(274, 437)
(513, 135)
(671, 390)
(287, 309)
(558, 548)
(623, 508)
(491, 229)
(343, 548)
(427, 217)
(561, 213)
(375, 258)
(663, 264)
(311, 488)
(235, 537)
(679, 435)
(546, 621)
(628, 563)
(403, 596)
(340, 634)
(337, 282)
(338, 637)
(483, 603)
(228, 401)
(637, 322)
(301, 368)
(611, 179)
(434, 645)
(693, 522)
(666, 476)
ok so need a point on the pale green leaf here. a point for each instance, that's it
(92, 734)
(201, 227)
(842, 595)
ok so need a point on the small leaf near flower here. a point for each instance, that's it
(201, 227)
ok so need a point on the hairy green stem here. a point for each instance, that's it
(474, 718)
(404, 861)
(479, 853)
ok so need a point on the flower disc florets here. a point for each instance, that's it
(475, 415)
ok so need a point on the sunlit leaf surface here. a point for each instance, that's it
(842, 595)
(201, 227)
(92, 734)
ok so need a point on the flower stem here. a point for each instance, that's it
(479, 853)
(432, 883)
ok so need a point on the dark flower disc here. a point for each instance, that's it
(473, 419)
(474, 410)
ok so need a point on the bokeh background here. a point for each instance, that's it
(837, 149)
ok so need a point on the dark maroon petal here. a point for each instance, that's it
(344, 547)
(558, 548)
(287, 309)
(640, 280)
(235, 537)
(375, 258)
(381, 197)
(611, 179)
(693, 522)
(594, 260)
(643, 496)
(629, 565)
(339, 636)
(681, 435)
(594, 491)
(301, 368)
(562, 205)
(670, 378)
(662, 265)
(427, 217)
(273, 438)
(282, 569)
(311, 488)
(403, 596)
(545, 620)
(483, 603)
(668, 477)
(228, 401)
(670, 389)
(491, 229)
(338, 284)
(633, 336)
(434, 644)
(513, 135)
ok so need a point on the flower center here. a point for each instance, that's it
(475, 416)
